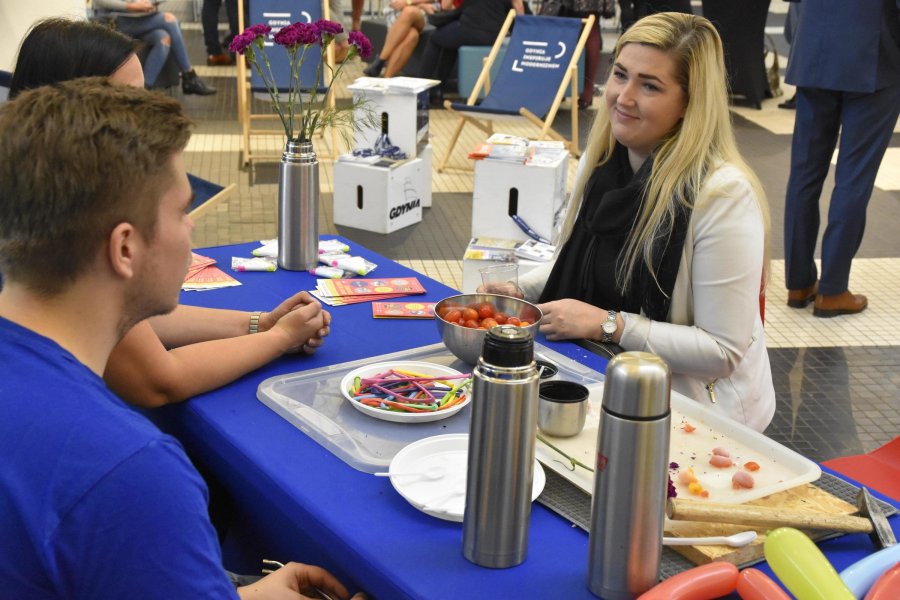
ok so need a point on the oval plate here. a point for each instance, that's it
(425, 368)
(444, 497)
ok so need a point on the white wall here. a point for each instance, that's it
(17, 16)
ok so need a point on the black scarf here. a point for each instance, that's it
(586, 267)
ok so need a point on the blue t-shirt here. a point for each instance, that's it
(95, 501)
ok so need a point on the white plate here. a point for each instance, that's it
(781, 467)
(425, 368)
(444, 497)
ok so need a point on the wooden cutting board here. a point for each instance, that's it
(805, 498)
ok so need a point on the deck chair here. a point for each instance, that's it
(206, 195)
(276, 13)
(541, 61)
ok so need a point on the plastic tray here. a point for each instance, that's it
(312, 402)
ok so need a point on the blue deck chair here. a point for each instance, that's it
(276, 14)
(541, 61)
(206, 195)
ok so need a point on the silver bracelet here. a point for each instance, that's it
(254, 322)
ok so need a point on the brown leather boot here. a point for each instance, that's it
(846, 303)
(802, 297)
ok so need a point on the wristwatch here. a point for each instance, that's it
(609, 327)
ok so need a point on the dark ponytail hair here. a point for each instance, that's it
(58, 50)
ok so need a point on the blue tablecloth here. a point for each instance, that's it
(297, 501)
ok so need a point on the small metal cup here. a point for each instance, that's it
(562, 408)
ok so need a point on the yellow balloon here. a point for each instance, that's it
(802, 567)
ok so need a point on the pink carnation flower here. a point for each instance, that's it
(329, 27)
(362, 43)
(241, 42)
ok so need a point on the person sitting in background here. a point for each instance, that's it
(95, 237)
(405, 25)
(142, 20)
(207, 348)
(665, 239)
(479, 24)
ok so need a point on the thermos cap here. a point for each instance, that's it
(638, 385)
(508, 346)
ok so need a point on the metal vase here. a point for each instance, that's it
(298, 207)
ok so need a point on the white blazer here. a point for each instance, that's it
(713, 338)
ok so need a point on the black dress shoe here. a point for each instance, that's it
(789, 104)
(192, 84)
(375, 68)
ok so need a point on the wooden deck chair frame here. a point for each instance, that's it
(247, 118)
(484, 122)
(201, 210)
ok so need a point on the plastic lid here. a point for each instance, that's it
(508, 346)
(638, 385)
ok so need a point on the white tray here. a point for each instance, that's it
(780, 467)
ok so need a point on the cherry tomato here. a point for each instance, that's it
(470, 314)
(486, 310)
(501, 318)
(524, 323)
(472, 323)
(513, 321)
(452, 316)
(488, 323)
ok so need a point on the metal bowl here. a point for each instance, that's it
(465, 342)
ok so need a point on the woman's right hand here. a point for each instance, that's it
(398, 5)
(142, 6)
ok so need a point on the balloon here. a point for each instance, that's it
(887, 587)
(710, 581)
(753, 584)
(802, 567)
(860, 576)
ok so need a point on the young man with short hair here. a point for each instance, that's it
(94, 237)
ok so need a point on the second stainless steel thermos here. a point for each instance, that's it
(501, 450)
(630, 479)
(298, 207)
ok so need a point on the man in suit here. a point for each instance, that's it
(845, 62)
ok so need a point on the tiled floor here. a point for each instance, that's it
(837, 379)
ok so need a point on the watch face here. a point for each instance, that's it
(610, 327)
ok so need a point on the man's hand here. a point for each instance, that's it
(567, 319)
(294, 581)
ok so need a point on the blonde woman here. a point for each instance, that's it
(666, 235)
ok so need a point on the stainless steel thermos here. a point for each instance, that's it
(501, 450)
(298, 207)
(630, 478)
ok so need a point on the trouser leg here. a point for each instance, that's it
(209, 17)
(867, 124)
(815, 135)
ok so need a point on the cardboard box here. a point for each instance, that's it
(534, 192)
(405, 101)
(425, 155)
(380, 199)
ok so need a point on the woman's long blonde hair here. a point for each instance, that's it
(698, 144)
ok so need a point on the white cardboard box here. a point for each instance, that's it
(425, 155)
(380, 199)
(472, 276)
(534, 192)
(405, 100)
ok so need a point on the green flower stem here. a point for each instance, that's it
(573, 461)
(270, 85)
